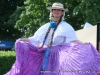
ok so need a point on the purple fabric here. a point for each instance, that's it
(67, 59)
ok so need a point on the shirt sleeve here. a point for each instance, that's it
(70, 36)
(33, 41)
(37, 38)
(66, 33)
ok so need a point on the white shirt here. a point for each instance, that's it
(63, 34)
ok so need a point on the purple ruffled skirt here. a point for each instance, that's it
(67, 59)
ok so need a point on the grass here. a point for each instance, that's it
(7, 58)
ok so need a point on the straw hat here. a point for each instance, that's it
(57, 6)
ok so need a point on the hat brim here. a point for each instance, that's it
(50, 8)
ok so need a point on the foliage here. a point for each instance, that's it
(32, 17)
(7, 58)
(90, 10)
(12, 21)
(7, 8)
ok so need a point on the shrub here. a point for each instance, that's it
(7, 58)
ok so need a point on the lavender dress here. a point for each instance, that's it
(65, 57)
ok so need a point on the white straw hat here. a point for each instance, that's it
(57, 6)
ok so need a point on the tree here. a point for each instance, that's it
(32, 17)
(90, 10)
(7, 30)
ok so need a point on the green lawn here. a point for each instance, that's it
(7, 58)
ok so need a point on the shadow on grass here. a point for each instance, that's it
(6, 61)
